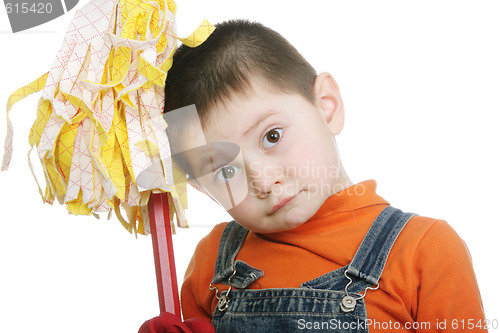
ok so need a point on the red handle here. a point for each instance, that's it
(163, 250)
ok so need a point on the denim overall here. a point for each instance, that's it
(332, 302)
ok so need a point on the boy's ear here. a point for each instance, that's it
(330, 101)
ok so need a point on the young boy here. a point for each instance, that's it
(309, 249)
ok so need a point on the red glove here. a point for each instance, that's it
(169, 323)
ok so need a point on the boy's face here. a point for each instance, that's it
(287, 163)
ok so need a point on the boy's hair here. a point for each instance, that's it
(236, 52)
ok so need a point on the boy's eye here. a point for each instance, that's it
(272, 137)
(226, 173)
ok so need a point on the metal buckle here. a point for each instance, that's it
(223, 300)
(348, 303)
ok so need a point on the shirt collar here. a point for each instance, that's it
(338, 208)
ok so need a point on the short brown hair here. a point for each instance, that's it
(236, 52)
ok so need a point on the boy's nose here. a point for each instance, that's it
(264, 178)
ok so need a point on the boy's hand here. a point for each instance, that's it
(168, 323)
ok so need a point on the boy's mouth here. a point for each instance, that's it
(281, 204)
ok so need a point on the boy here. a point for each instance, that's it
(309, 249)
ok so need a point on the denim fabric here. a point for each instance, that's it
(316, 304)
(232, 240)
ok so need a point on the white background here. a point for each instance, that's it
(420, 82)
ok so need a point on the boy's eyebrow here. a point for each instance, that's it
(213, 155)
(204, 159)
(260, 119)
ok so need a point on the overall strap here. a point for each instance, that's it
(370, 258)
(226, 267)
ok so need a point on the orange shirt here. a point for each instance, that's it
(428, 280)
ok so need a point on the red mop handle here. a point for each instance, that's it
(163, 250)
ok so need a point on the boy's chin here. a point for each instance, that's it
(290, 220)
(295, 218)
(278, 224)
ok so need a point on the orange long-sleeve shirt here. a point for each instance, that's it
(428, 284)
